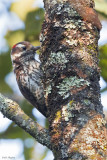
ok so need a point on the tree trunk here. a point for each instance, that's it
(69, 56)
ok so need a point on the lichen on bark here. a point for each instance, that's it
(69, 56)
(11, 110)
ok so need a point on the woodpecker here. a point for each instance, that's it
(28, 74)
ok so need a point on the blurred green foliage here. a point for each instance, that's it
(103, 61)
(36, 19)
(33, 18)
(5, 68)
(101, 6)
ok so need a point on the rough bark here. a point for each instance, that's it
(69, 57)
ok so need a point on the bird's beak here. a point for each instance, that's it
(36, 48)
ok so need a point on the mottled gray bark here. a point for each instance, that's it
(69, 56)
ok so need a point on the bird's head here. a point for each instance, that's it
(22, 54)
(23, 51)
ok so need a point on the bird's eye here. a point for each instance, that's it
(24, 47)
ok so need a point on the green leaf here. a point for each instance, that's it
(103, 61)
(5, 64)
(101, 5)
(5, 68)
(4, 87)
(14, 37)
(33, 24)
(21, 8)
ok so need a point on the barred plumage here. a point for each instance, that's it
(28, 74)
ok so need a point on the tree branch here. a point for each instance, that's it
(11, 110)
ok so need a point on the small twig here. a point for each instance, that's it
(12, 111)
